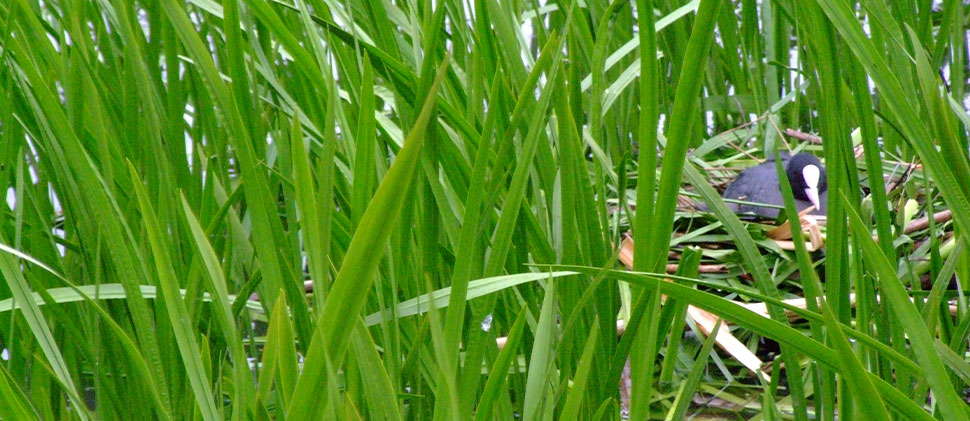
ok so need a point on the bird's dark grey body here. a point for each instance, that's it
(759, 184)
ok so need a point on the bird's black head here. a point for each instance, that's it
(795, 169)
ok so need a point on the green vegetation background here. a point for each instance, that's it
(441, 174)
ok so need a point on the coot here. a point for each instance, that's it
(759, 184)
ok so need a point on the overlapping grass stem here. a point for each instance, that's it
(480, 209)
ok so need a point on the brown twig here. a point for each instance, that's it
(808, 137)
(924, 222)
(719, 268)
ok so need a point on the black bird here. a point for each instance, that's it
(759, 184)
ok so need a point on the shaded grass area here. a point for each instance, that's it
(324, 209)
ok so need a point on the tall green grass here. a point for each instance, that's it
(333, 209)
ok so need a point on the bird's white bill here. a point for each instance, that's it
(811, 174)
(813, 197)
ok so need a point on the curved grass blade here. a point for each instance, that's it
(16, 405)
(741, 316)
(266, 224)
(352, 284)
(476, 288)
(15, 280)
(279, 363)
(500, 369)
(178, 315)
(105, 292)
(908, 316)
(686, 394)
(683, 114)
(574, 398)
(244, 389)
(538, 387)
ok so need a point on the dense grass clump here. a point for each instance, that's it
(481, 209)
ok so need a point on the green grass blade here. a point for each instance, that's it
(538, 388)
(920, 339)
(574, 398)
(245, 390)
(356, 273)
(188, 347)
(684, 114)
(686, 394)
(497, 375)
(15, 280)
